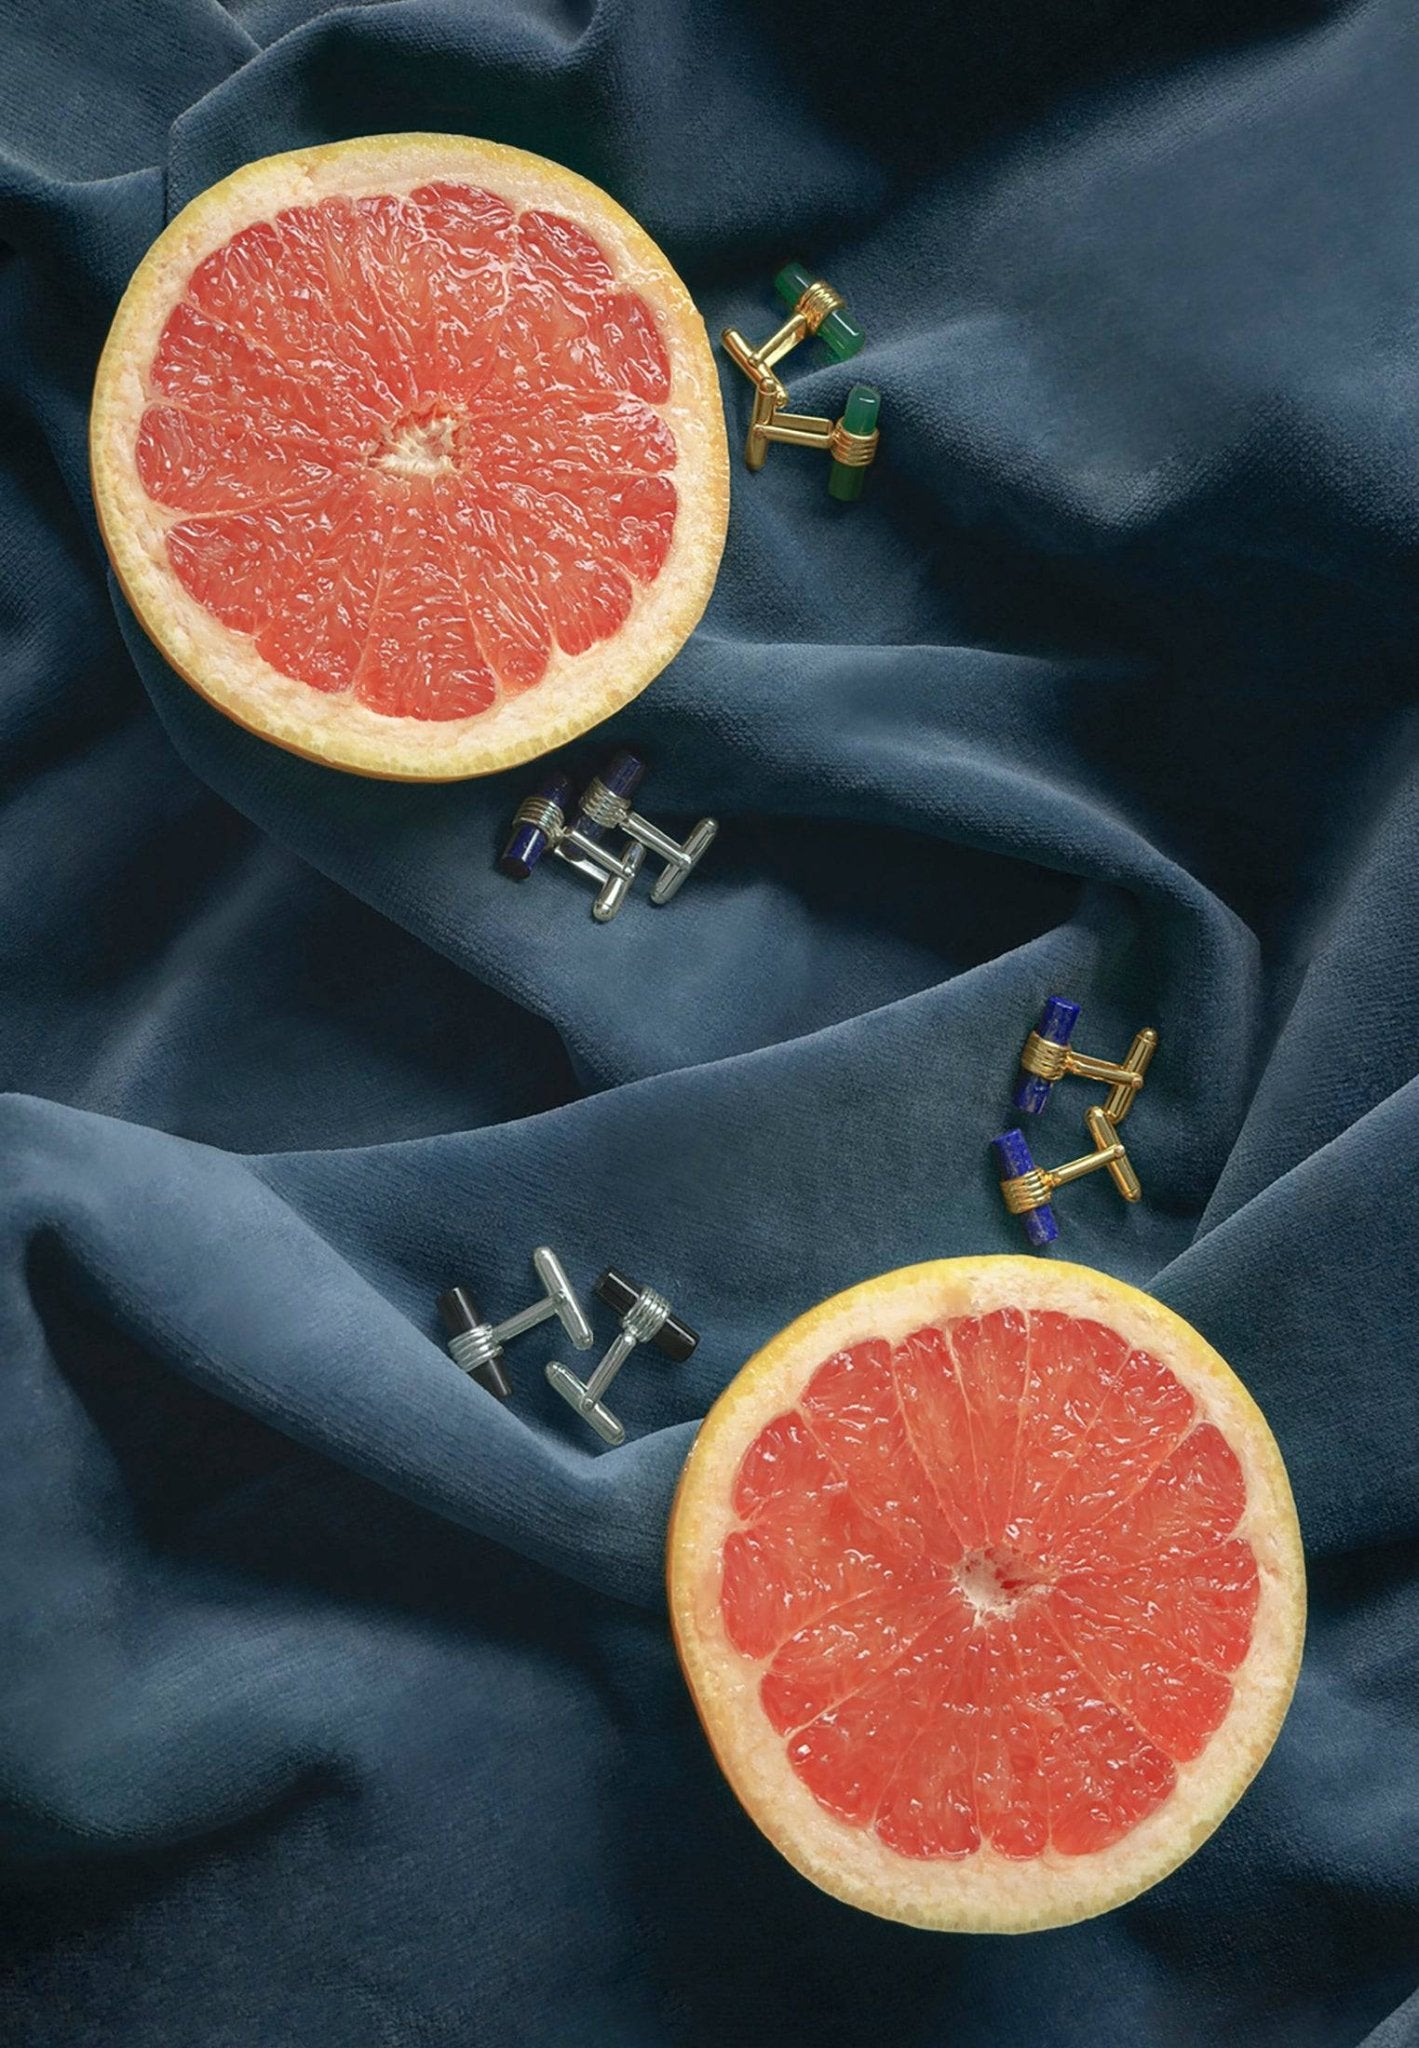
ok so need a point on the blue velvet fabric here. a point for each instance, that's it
(336, 1702)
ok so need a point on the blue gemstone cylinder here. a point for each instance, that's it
(1013, 1157)
(622, 775)
(528, 843)
(1057, 1021)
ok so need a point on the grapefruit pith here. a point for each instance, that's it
(986, 1579)
(408, 453)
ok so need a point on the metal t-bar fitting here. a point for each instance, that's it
(477, 1345)
(606, 806)
(1049, 1057)
(646, 1318)
(1028, 1188)
(545, 824)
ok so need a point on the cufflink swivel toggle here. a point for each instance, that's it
(646, 1318)
(851, 441)
(477, 1345)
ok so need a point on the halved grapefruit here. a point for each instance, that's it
(408, 453)
(987, 1583)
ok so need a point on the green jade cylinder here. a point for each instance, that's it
(840, 335)
(864, 402)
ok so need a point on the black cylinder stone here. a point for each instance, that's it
(490, 1374)
(675, 1340)
(458, 1311)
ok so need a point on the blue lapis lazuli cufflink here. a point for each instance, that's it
(1029, 1189)
(554, 819)
(1049, 1057)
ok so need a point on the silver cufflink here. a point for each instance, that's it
(646, 1318)
(477, 1345)
(555, 820)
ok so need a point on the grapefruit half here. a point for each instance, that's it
(408, 453)
(987, 1583)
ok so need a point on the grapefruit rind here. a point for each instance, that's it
(986, 1892)
(576, 692)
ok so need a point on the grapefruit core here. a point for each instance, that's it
(987, 1583)
(408, 453)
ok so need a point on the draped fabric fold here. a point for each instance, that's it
(337, 1704)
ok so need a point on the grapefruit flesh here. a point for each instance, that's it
(408, 453)
(987, 1582)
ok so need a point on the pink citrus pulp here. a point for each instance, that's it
(987, 1582)
(408, 453)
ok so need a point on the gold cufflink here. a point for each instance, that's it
(851, 441)
(1028, 1188)
(1048, 1057)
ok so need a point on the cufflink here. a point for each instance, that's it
(851, 441)
(1048, 1057)
(606, 806)
(555, 820)
(646, 1318)
(477, 1345)
(1028, 1188)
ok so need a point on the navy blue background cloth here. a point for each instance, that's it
(337, 1704)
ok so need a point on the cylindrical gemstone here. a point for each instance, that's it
(1013, 1158)
(675, 1338)
(839, 333)
(527, 842)
(1056, 1026)
(845, 480)
(460, 1314)
(791, 283)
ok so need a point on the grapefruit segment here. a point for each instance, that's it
(828, 1661)
(801, 1559)
(496, 379)
(851, 1409)
(936, 1422)
(991, 1355)
(323, 620)
(422, 657)
(197, 463)
(987, 1583)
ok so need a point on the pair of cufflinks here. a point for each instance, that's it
(849, 442)
(646, 1317)
(556, 820)
(1048, 1058)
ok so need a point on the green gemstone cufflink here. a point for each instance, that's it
(850, 442)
